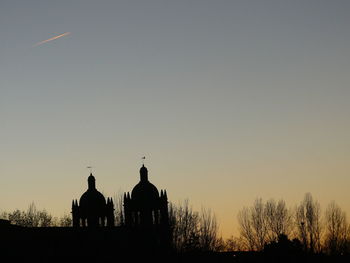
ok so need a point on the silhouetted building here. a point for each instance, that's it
(94, 235)
(145, 207)
(92, 210)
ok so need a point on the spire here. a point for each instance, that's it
(91, 182)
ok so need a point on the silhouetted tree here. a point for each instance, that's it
(31, 218)
(193, 231)
(283, 249)
(253, 225)
(65, 221)
(235, 244)
(308, 221)
(208, 228)
(184, 223)
(337, 230)
(263, 223)
(279, 219)
(246, 228)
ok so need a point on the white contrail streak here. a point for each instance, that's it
(50, 39)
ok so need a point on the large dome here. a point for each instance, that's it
(145, 207)
(92, 199)
(145, 192)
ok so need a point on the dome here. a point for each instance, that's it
(144, 191)
(92, 201)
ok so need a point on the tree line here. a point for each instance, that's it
(34, 217)
(261, 226)
(305, 226)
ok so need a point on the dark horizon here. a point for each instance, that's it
(144, 219)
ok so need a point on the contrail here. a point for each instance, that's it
(50, 39)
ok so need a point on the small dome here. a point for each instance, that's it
(92, 202)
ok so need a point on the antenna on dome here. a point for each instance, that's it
(143, 160)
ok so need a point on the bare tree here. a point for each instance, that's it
(253, 225)
(279, 219)
(65, 221)
(31, 218)
(235, 244)
(259, 223)
(193, 231)
(308, 221)
(337, 229)
(208, 228)
(184, 223)
(246, 228)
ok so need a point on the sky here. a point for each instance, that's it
(228, 100)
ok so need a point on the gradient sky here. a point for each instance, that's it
(228, 101)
